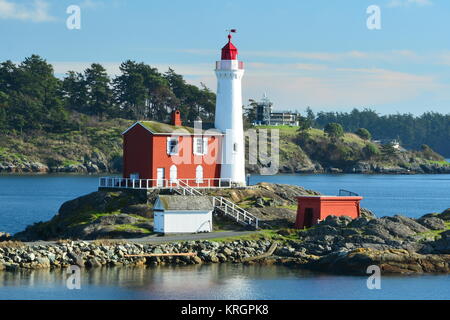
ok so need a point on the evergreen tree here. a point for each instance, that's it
(334, 131)
(363, 133)
(99, 93)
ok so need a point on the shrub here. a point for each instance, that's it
(363, 133)
(371, 150)
(334, 130)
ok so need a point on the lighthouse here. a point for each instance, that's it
(229, 71)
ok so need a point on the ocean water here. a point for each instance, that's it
(25, 199)
(385, 195)
(218, 281)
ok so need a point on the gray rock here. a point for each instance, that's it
(93, 263)
(359, 222)
(4, 236)
(432, 223)
(335, 221)
(410, 223)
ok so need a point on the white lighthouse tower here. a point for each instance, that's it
(229, 72)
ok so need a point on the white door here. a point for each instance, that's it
(199, 174)
(160, 177)
(173, 174)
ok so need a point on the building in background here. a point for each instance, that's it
(262, 111)
(265, 116)
(286, 118)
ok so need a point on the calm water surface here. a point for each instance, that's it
(226, 281)
(28, 199)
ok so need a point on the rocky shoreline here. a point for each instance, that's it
(396, 244)
(97, 166)
(40, 168)
(363, 168)
(108, 218)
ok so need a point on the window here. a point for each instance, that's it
(200, 146)
(235, 147)
(172, 146)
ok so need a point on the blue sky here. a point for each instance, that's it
(301, 53)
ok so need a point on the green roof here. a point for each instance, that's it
(158, 127)
(164, 128)
(194, 203)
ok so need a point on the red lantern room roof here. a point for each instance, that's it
(229, 52)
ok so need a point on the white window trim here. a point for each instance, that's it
(204, 146)
(168, 146)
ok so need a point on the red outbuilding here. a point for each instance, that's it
(166, 153)
(313, 209)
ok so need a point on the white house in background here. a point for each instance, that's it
(182, 214)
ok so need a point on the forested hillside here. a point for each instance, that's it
(73, 123)
(32, 99)
(430, 128)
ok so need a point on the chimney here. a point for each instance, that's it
(176, 118)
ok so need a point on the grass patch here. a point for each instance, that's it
(434, 234)
(131, 227)
(441, 163)
(88, 217)
(281, 235)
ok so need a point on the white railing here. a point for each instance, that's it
(239, 214)
(229, 65)
(127, 183)
(228, 207)
(187, 187)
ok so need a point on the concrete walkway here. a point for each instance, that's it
(169, 238)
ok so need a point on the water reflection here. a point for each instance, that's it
(218, 281)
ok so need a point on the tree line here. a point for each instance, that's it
(32, 98)
(430, 128)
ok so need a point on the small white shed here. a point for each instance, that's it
(182, 214)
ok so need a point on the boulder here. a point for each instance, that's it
(366, 213)
(408, 222)
(93, 263)
(115, 219)
(432, 223)
(445, 215)
(390, 261)
(335, 221)
(5, 236)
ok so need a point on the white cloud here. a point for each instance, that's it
(407, 3)
(36, 11)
